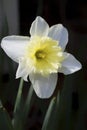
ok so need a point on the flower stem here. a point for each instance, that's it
(27, 105)
(49, 115)
(18, 98)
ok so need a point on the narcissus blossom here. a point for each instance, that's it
(41, 56)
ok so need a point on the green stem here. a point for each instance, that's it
(27, 104)
(18, 98)
(49, 116)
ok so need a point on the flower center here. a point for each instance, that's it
(40, 54)
(43, 55)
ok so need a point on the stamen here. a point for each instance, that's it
(40, 54)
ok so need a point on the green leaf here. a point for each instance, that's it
(5, 121)
(62, 120)
(22, 109)
(49, 115)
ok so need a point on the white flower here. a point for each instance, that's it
(41, 56)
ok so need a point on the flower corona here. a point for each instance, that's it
(43, 55)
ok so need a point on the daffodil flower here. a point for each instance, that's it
(41, 56)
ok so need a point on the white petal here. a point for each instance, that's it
(22, 71)
(59, 32)
(70, 65)
(39, 27)
(14, 46)
(44, 86)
